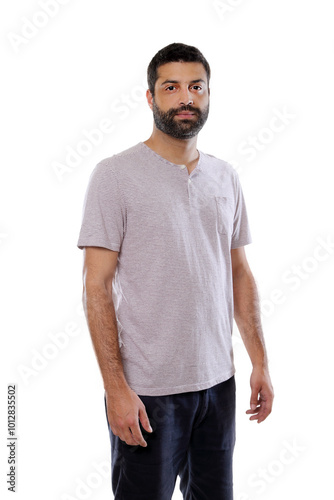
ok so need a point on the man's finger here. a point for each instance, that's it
(249, 412)
(254, 417)
(128, 438)
(254, 398)
(137, 435)
(265, 410)
(261, 414)
(144, 420)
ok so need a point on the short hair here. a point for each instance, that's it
(175, 52)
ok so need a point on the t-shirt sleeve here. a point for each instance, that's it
(241, 231)
(103, 211)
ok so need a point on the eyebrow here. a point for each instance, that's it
(176, 81)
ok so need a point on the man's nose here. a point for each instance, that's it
(185, 98)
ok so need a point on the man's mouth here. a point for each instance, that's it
(185, 114)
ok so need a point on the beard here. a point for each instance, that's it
(180, 129)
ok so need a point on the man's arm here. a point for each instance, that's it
(248, 319)
(124, 407)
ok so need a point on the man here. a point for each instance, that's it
(163, 231)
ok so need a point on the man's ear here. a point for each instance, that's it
(149, 98)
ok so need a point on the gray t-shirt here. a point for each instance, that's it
(172, 289)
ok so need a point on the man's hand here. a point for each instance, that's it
(125, 409)
(262, 396)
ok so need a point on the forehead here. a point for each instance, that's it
(181, 71)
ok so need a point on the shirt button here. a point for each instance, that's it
(182, 166)
(189, 181)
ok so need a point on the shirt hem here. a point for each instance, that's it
(166, 391)
(110, 246)
(241, 243)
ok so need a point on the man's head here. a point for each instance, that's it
(178, 80)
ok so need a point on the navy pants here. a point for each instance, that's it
(193, 437)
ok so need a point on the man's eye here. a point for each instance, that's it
(197, 87)
(171, 87)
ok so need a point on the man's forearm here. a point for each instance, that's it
(248, 318)
(101, 319)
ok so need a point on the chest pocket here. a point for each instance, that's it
(225, 215)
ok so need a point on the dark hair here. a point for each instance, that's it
(175, 52)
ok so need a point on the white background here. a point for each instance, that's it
(87, 61)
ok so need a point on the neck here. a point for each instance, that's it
(179, 151)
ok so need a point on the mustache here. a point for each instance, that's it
(196, 111)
